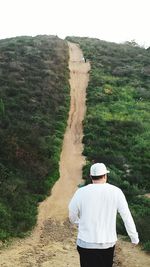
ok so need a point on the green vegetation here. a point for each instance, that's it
(117, 128)
(34, 101)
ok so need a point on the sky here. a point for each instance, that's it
(111, 20)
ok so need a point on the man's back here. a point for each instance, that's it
(94, 208)
(98, 204)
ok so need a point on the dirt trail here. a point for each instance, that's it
(71, 160)
(52, 243)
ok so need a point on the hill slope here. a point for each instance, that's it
(34, 101)
(52, 242)
(117, 128)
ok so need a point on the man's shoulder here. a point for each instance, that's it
(83, 188)
(114, 187)
(80, 189)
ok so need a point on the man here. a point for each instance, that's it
(94, 209)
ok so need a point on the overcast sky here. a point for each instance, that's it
(110, 20)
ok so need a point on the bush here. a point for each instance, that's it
(146, 246)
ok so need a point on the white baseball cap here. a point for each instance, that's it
(98, 169)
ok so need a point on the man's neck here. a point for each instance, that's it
(99, 181)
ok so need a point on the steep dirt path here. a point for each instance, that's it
(71, 160)
(52, 243)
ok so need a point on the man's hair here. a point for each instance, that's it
(97, 177)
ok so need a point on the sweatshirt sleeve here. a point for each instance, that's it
(74, 209)
(126, 216)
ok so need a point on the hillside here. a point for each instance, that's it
(34, 102)
(52, 242)
(117, 128)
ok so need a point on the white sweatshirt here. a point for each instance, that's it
(94, 208)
